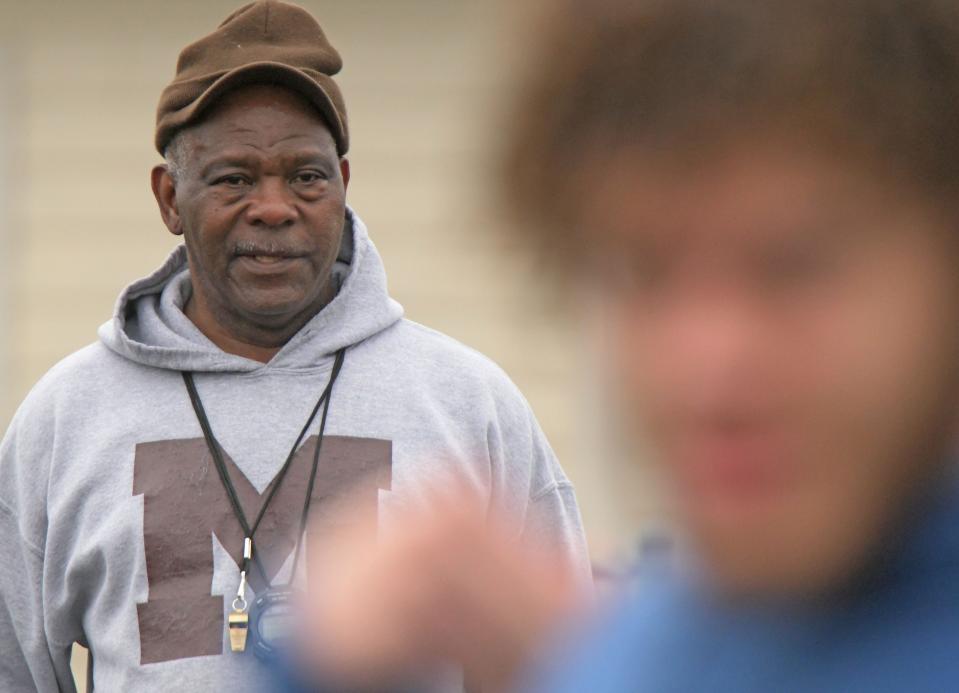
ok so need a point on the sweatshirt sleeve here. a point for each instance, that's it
(28, 660)
(553, 522)
(551, 517)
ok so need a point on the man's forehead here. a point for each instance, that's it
(244, 130)
(318, 139)
(240, 154)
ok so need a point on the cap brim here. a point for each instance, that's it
(269, 73)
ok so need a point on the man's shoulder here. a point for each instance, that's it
(448, 359)
(86, 368)
(26, 449)
(85, 363)
(439, 344)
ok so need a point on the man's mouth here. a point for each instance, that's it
(265, 255)
(735, 468)
(265, 259)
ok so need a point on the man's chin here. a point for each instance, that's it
(755, 580)
(278, 303)
(272, 314)
(766, 562)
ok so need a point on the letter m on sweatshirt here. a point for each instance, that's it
(184, 503)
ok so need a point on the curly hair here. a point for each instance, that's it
(874, 81)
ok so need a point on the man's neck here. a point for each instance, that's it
(252, 341)
(226, 340)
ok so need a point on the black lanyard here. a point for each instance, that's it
(214, 447)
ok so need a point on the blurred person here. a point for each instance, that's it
(155, 486)
(763, 196)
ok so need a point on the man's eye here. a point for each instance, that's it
(640, 274)
(308, 177)
(234, 180)
(795, 267)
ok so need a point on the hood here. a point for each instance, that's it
(150, 327)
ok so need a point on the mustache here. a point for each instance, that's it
(267, 248)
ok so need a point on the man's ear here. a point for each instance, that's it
(164, 190)
(345, 172)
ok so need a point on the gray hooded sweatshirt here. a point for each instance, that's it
(114, 525)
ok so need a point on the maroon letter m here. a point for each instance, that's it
(184, 502)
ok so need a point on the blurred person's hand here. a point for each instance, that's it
(445, 585)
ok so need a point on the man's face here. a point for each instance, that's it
(261, 203)
(786, 328)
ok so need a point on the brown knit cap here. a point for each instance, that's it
(264, 42)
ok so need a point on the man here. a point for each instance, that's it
(154, 487)
(769, 212)
(763, 194)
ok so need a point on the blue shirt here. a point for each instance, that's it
(897, 631)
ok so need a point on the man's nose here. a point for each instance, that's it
(714, 343)
(271, 204)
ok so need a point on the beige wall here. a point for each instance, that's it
(6, 232)
(426, 82)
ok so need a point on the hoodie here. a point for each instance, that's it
(116, 531)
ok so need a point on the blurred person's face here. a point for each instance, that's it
(260, 201)
(787, 331)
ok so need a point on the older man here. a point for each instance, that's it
(155, 486)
